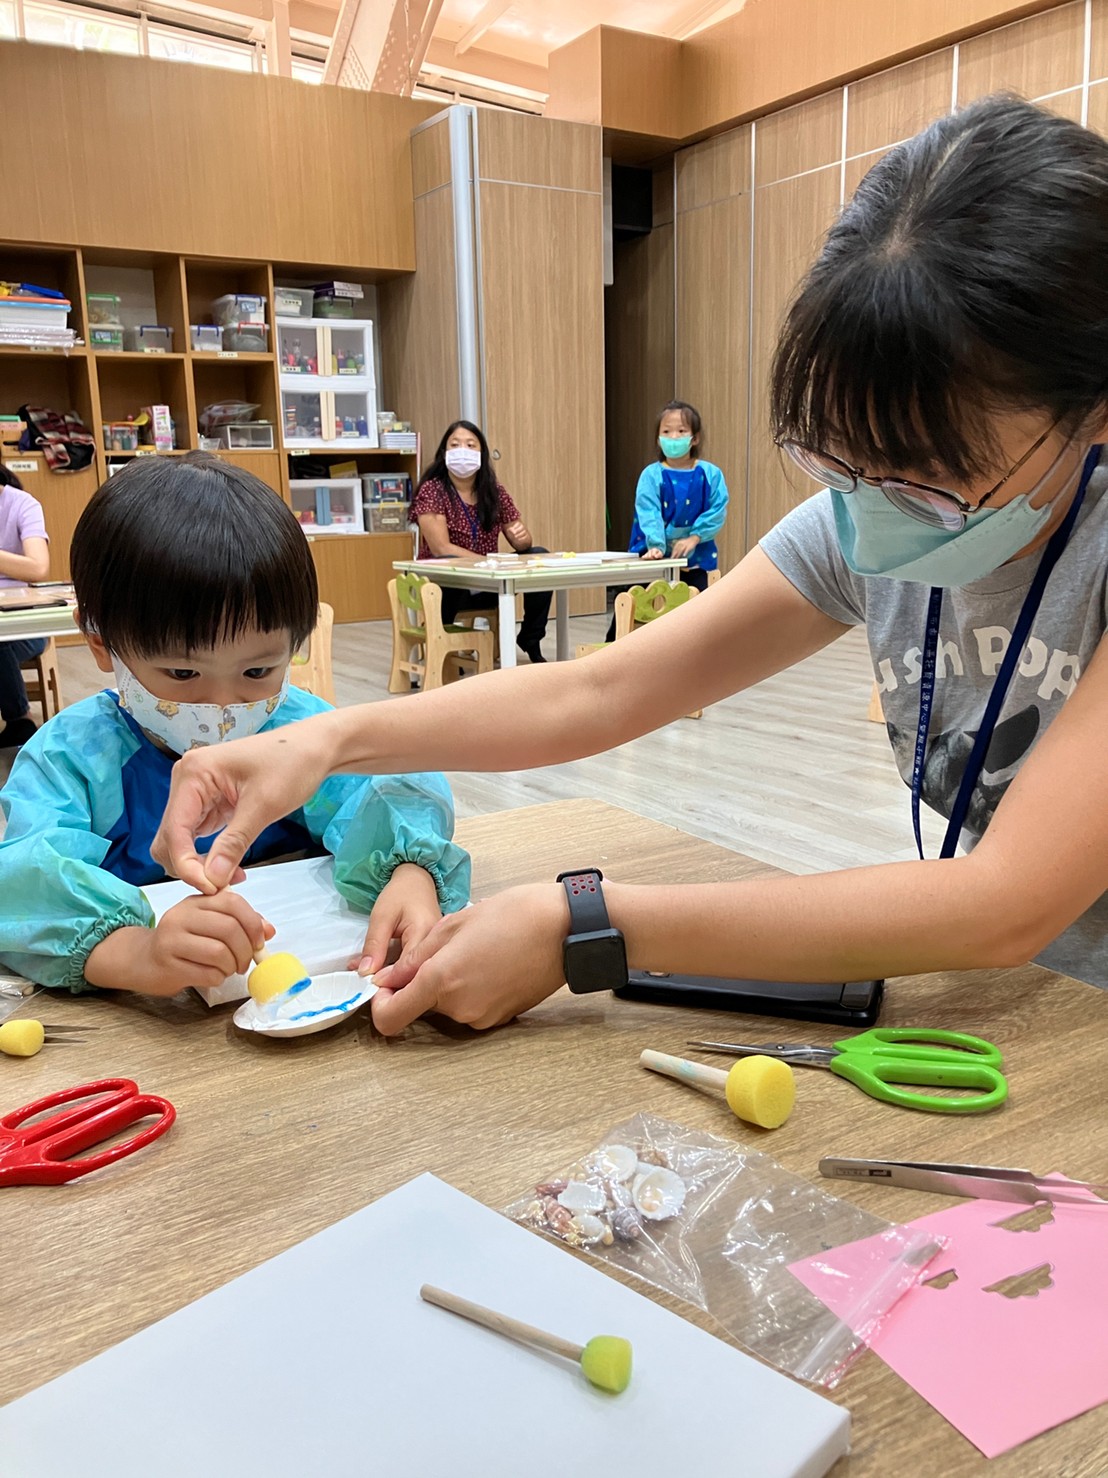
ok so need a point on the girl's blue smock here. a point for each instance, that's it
(671, 503)
(86, 795)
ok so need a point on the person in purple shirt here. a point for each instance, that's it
(24, 556)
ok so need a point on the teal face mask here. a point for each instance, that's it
(675, 447)
(878, 539)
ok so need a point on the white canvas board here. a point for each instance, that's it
(324, 1361)
(300, 900)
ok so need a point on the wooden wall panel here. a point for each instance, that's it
(245, 166)
(518, 149)
(1098, 107)
(857, 169)
(713, 343)
(1098, 40)
(714, 170)
(430, 158)
(896, 104)
(1034, 57)
(419, 327)
(542, 287)
(800, 138)
(638, 365)
(790, 220)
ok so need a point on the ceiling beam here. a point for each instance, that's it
(483, 21)
(696, 17)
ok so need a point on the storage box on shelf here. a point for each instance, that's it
(328, 506)
(333, 405)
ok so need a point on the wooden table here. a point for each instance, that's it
(40, 622)
(276, 1140)
(505, 578)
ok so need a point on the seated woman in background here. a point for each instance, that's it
(462, 509)
(24, 557)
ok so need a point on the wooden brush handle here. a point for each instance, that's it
(713, 1079)
(525, 1334)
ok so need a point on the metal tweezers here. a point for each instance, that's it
(984, 1182)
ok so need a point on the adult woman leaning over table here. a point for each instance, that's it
(942, 374)
(461, 509)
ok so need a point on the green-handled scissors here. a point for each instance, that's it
(883, 1057)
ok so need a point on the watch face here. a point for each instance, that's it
(596, 961)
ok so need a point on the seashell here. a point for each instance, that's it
(588, 1229)
(659, 1194)
(551, 1187)
(557, 1218)
(627, 1224)
(534, 1213)
(580, 1195)
(652, 1155)
(619, 1195)
(614, 1162)
(607, 1238)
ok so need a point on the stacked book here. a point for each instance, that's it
(35, 317)
(399, 441)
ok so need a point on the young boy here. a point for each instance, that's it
(195, 586)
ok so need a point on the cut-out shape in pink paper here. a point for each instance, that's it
(1000, 1369)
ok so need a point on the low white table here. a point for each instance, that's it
(506, 578)
(40, 621)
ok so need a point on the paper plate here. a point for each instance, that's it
(327, 1001)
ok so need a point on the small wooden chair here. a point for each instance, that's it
(639, 606)
(44, 686)
(417, 629)
(311, 666)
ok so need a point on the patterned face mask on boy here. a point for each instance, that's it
(185, 726)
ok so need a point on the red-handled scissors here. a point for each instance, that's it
(38, 1153)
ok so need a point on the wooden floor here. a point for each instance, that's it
(791, 773)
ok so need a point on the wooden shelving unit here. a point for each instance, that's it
(102, 386)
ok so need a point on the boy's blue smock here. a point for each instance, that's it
(673, 502)
(86, 795)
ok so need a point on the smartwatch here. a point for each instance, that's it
(594, 955)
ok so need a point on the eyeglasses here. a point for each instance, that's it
(938, 507)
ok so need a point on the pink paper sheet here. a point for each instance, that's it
(1000, 1368)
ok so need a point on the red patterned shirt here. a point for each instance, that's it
(462, 524)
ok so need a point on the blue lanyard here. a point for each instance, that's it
(1051, 554)
(469, 513)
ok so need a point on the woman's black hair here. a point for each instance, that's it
(967, 275)
(182, 554)
(485, 484)
(8, 478)
(691, 415)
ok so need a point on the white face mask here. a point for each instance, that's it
(463, 461)
(185, 726)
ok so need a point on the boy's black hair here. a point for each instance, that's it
(181, 554)
(484, 485)
(690, 414)
(967, 275)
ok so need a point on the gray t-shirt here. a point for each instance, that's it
(976, 626)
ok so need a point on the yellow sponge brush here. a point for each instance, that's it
(22, 1038)
(606, 1363)
(273, 975)
(761, 1090)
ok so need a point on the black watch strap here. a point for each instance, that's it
(588, 913)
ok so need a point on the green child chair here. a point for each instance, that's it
(422, 646)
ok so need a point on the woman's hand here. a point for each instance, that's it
(242, 786)
(407, 909)
(684, 547)
(518, 536)
(653, 554)
(482, 965)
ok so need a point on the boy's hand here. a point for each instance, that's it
(407, 909)
(653, 554)
(685, 546)
(200, 941)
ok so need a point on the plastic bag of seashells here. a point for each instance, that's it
(634, 1199)
(720, 1226)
